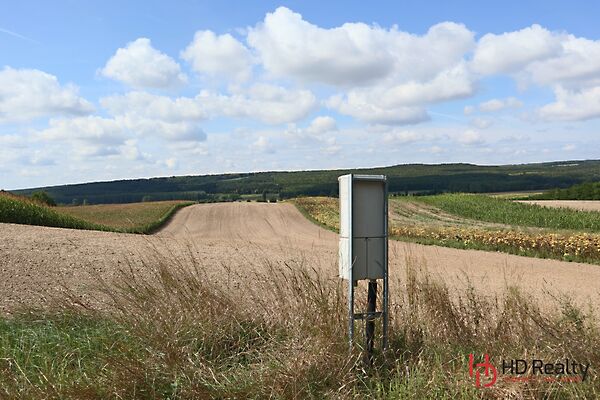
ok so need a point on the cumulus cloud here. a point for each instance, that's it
(221, 55)
(537, 55)
(150, 115)
(139, 65)
(147, 105)
(401, 137)
(404, 103)
(572, 105)
(90, 136)
(26, 94)
(511, 51)
(321, 125)
(500, 104)
(354, 53)
(170, 131)
(364, 108)
(481, 123)
(470, 138)
(577, 65)
(267, 103)
(91, 129)
(263, 145)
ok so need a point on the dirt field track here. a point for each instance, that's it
(38, 262)
(583, 205)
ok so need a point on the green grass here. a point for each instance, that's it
(131, 218)
(490, 209)
(282, 334)
(58, 354)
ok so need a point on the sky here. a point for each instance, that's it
(105, 90)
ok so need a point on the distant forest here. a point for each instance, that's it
(583, 191)
(402, 179)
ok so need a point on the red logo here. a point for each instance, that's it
(487, 368)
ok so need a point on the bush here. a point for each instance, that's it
(43, 197)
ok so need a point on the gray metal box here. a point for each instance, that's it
(363, 227)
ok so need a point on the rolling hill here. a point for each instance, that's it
(407, 178)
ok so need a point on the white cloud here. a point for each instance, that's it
(26, 94)
(90, 129)
(354, 54)
(141, 66)
(150, 106)
(13, 141)
(470, 138)
(569, 147)
(537, 55)
(151, 115)
(572, 105)
(403, 103)
(365, 109)
(433, 150)
(481, 123)
(500, 104)
(263, 145)
(263, 102)
(578, 64)
(401, 137)
(170, 131)
(221, 55)
(90, 136)
(468, 110)
(511, 51)
(321, 125)
(267, 103)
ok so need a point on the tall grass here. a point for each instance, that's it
(175, 332)
(491, 209)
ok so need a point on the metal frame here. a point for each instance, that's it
(369, 316)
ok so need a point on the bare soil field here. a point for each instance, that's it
(583, 205)
(229, 239)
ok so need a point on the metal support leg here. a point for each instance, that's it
(350, 313)
(370, 322)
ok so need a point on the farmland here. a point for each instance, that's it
(142, 316)
(133, 218)
(481, 222)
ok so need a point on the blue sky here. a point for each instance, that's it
(110, 90)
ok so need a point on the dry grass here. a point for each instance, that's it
(176, 332)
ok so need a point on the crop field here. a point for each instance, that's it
(132, 218)
(242, 300)
(482, 222)
(490, 209)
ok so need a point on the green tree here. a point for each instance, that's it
(43, 197)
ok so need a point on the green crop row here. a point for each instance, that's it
(491, 209)
(19, 210)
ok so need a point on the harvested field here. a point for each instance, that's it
(583, 205)
(37, 262)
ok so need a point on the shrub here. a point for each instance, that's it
(43, 197)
